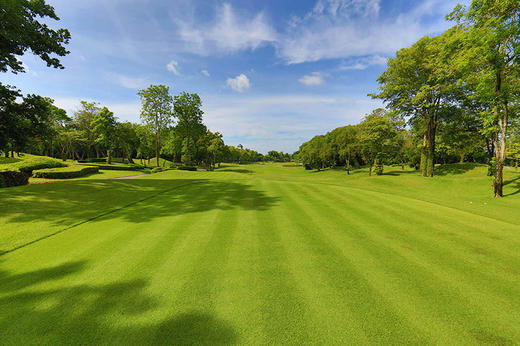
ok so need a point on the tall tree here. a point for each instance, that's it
(345, 142)
(489, 55)
(376, 135)
(105, 124)
(84, 121)
(188, 111)
(156, 111)
(419, 83)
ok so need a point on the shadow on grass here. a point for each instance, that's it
(454, 168)
(237, 170)
(68, 204)
(515, 184)
(37, 310)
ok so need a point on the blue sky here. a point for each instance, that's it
(271, 73)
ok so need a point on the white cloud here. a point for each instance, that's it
(229, 32)
(172, 66)
(364, 63)
(128, 82)
(240, 83)
(205, 72)
(315, 78)
(352, 28)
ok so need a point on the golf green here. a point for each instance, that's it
(262, 254)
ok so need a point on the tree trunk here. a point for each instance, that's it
(109, 156)
(370, 170)
(347, 164)
(500, 141)
(157, 148)
(428, 149)
(500, 154)
(461, 158)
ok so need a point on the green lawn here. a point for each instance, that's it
(262, 254)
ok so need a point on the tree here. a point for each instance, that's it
(419, 83)
(105, 125)
(84, 121)
(188, 111)
(146, 145)
(376, 135)
(126, 139)
(156, 111)
(488, 53)
(216, 147)
(345, 143)
(20, 32)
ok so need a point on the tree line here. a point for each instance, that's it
(459, 92)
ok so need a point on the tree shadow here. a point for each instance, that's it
(237, 170)
(515, 184)
(454, 168)
(37, 310)
(68, 204)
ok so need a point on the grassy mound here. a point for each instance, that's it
(72, 171)
(28, 163)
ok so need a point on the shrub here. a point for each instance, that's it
(65, 172)
(13, 178)
(158, 169)
(114, 167)
(29, 163)
(188, 168)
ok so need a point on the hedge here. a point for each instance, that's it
(114, 167)
(187, 168)
(93, 160)
(65, 172)
(13, 178)
(29, 163)
(159, 169)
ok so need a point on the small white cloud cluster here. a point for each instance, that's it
(315, 78)
(172, 66)
(240, 83)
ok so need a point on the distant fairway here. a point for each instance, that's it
(262, 254)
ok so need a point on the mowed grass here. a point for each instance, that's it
(262, 254)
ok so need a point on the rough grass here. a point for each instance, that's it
(262, 254)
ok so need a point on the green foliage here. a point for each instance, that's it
(157, 111)
(21, 31)
(28, 163)
(72, 171)
(13, 178)
(187, 108)
(158, 169)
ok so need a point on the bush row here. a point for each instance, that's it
(114, 167)
(13, 178)
(28, 163)
(93, 160)
(65, 172)
(187, 168)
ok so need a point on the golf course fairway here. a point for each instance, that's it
(262, 254)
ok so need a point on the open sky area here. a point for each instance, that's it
(271, 73)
